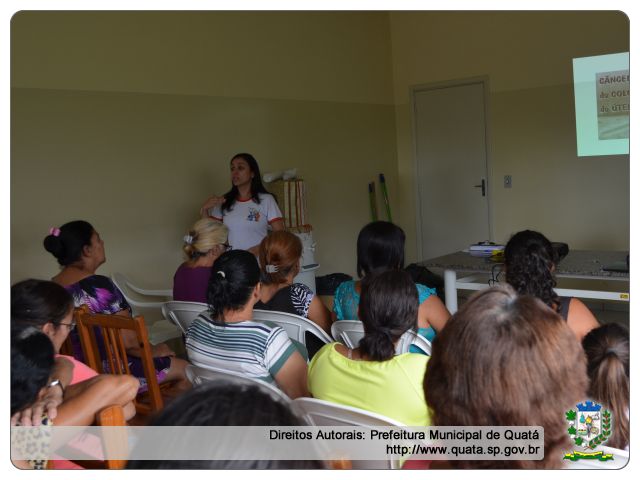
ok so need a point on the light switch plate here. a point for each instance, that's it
(507, 181)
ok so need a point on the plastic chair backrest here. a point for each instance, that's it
(182, 314)
(138, 297)
(410, 338)
(327, 414)
(116, 361)
(349, 333)
(147, 303)
(198, 375)
(294, 325)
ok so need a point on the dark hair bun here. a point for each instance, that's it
(54, 246)
(68, 244)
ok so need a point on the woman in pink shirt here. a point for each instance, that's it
(49, 307)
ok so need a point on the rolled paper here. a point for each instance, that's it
(385, 196)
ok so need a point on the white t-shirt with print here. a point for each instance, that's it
(248, 221)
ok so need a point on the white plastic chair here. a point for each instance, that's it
(327, 414)
(295, 326)
(147, 303)
(349, 333)
(413, 338)
(139, 297)
(198, 375)
(182, 314)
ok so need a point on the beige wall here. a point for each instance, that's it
(130, 120)
(321, 56)
(527, 57)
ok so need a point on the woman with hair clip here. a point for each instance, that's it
(530, 261)
(204, 243)
(380, 248)
(506, 360)
(248, 209)
(226, 337)
(372, 377)
(80, 252)
(49, 308)
(607, 349)
(279, 256)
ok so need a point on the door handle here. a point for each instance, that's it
(482, 186)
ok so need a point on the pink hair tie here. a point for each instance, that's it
(54, 231)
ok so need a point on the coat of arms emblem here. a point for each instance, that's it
(589, 426)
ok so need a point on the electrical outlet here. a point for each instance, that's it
(507, 181)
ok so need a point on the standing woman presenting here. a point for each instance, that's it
(247, 209)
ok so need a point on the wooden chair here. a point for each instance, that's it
(67, 347)
(116, 358)
(114, 444)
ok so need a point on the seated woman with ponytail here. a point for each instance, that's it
(530, 261)
(227, 338)
(607, 349)
(372, 377)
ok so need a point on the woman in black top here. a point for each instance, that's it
(279, 256)
(530, 262)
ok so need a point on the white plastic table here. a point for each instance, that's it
(581, 264)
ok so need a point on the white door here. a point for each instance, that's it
(451, 163)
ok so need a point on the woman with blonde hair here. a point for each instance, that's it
(203, 244)
(279, 256)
